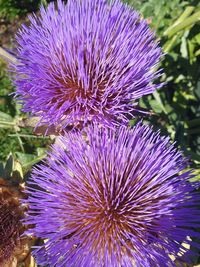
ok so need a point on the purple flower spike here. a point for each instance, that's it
(113, 198)
(86, 60)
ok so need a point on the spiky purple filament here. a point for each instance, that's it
(113, 198)
(87, 60)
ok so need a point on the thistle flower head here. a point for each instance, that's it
(10, 223)
(86, 60)
(113, 198)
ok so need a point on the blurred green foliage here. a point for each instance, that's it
(25, 146)
(9, 9)
(177, 104)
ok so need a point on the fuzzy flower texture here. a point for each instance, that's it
(113, 198)
(86, 60)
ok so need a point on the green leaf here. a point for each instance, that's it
(17, 175)
(28, 160)
(155, 106)
(159, 102)
(24, 158)
(184, 24)
(34, 161)
(9, 166)
(41, 151)
(5, 117)
(6, 121)
(184, 45)
(170, 44)
(188, 11)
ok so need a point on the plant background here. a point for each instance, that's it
(175, 107)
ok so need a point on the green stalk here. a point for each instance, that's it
(184, 24)
(168, 45)
(7, 124)
(188, 11)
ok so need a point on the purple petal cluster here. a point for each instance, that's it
(107, 197)
(86, 60)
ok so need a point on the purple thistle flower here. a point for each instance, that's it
(86, 60)
(113, 198)
(13, 248)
